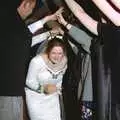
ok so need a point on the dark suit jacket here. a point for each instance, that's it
(15, 40)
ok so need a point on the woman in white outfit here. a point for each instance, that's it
(43, 82)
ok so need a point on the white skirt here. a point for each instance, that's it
(42, 106)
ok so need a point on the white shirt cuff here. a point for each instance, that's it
(36, 25)
(39, 38)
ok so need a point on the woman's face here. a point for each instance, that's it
(56, 54)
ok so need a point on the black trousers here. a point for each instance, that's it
(115, 111)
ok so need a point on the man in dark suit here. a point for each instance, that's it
(14, 52)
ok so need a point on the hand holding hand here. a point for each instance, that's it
(59, 11)
(54, 15)
(61, 19)
(56, 30)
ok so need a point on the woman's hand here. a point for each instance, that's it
(59, 11)
(50, 88)
(56, 31)
(61, 20)
(53, 16)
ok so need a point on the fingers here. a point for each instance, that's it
(60, 10)
(61, 31)
(54, 15)
(59, 17)
(56, 31)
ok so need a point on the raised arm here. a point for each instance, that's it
(44, 36)
(76, 33)
(108, 10)
(40, 23)
(82, 16)
(116, 3)
(39, 38)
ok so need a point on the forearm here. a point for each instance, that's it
(39, 24)
(85, 19)
(36, 25)
(77, 34)
(108, 10)
(39, 38)
(116, 3)
(74, 7)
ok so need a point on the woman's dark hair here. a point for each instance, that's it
(55, 42)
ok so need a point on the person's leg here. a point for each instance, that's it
(11, 108)
(115, 114)
(118, 111)
(25, 110)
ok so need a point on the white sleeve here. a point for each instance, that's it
(39, 38)
(36, 25)
(31, 80)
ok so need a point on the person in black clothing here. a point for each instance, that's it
(109, 34)
(14, 51)
(15, 55)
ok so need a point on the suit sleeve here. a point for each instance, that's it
(81, 37)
